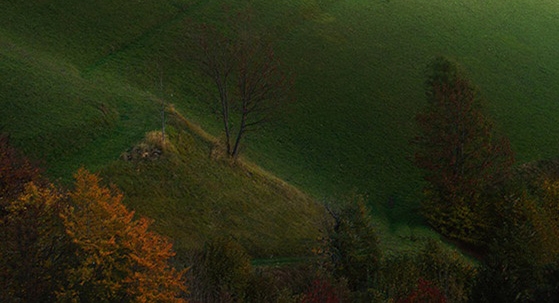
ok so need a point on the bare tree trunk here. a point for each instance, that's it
(242, 129)
(162, 107)
(222, 86)
(247, 79)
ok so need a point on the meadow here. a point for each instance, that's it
(80, 84)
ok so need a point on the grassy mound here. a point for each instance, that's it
(195, 195)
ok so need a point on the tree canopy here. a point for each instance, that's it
(460, 154)
(79, 245)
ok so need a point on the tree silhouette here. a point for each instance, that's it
(35, 253)
(246, 75)
(459, 153)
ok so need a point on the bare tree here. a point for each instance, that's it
(248, 82)
(163, 104)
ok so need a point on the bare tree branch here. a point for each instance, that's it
(250, 85)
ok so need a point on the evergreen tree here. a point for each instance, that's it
(353, 246)
(220, 272)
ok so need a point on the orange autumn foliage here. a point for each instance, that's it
(118, 258)
(78, 246)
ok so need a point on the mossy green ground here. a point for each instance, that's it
(79, 84)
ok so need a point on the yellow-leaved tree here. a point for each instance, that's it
(117, 258)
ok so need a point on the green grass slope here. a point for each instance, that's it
(64, 120)
(361, 67)
(194, 195)
(85, 76)
(60, 107)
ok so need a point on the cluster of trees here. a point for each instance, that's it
(355, 269)
(474, 196)
(78, 245)
(348, 266)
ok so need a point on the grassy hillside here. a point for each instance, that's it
(361, 72)
(194, 195)
(66, 120)
(78, 82)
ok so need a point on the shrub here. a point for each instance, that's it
(425, 292)
(521, 265)
(508, 274)
(398, 275)
(448, 270)
(444, 269)
(262, 289)
(321, 291)
(221, 272)
(150, 148)
(352, 245)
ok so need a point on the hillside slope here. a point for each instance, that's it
(62, 108)
(79, 82)
(56, 115)
(195, 195)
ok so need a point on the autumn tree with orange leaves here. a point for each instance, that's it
(77, 246)
(460, 154)
(118, 258)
